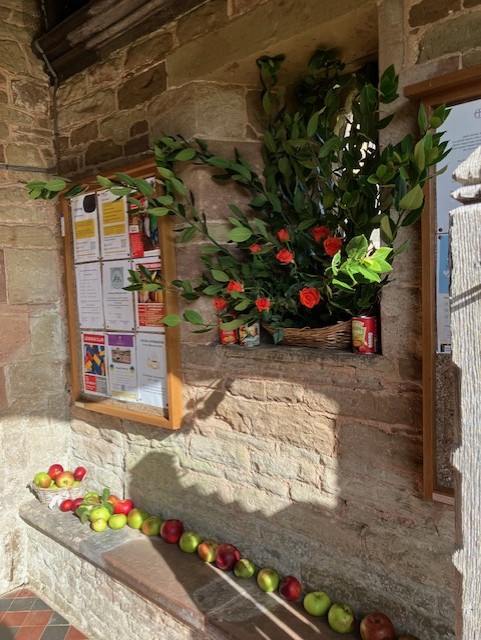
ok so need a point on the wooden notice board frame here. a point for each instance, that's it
(171, 418)
(450, 89)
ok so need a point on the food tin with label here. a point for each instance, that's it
(364, 334)
(227, 336)
(250, 334)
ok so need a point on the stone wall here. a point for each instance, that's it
(33, 398)
(309, 462)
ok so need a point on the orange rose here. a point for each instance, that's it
(309, 297)
(262, 304)
(318, 233)
(332, 246)
(220, 303)
(285, 256)
(233, 285)
(283, 235)
(255, 248)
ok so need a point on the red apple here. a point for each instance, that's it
(64, 479)
(79, 473)
(290, 588)
(55, 470)
(76, 503)
(123, 506)
(226, 556)
(66, 505)
(151, 526)
(42, 480)
(113, 499)
(376, 626)
(207, 550)
(171, 530)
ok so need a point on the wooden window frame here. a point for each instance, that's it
(453, 88)
(107, 406)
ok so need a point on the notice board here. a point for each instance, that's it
(125, 362)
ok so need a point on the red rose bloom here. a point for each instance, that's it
(233, 285)
(220, 303)
(283, 235)
(318, 233)
(309, 297)
(332, 246)
(255, 248)
(285, 256)
(262, 304)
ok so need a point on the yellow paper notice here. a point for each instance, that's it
(84, 229)
(114, 230)
(113, 212)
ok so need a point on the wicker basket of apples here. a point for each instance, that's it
(47, 485)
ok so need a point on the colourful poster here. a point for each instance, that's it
(149, 305)
(94, 364)
(143, 228)
(122, 366)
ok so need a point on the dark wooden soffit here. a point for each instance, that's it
(102, 26)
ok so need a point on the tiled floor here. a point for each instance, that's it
(23, 616)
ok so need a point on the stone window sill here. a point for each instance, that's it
(213, 603)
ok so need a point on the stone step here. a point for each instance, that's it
(214, 603)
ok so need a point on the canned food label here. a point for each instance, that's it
(249, 334)
(364, 335)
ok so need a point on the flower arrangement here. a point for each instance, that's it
(302, 253)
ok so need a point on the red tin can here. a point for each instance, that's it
(364, 334)
(227, 336)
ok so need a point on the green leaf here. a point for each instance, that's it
(313, 124)
(385, 227)
(123, 177)
(239, 234)
(232, 324)
(35, 193)
(266, 103)
(165, 173)
(158, 211)
(144, 187)
(104, 182)
(219, 162)
(178, 186)
(188, 234)
(270, 142)
(368, 274)
(57, 184)
(242, 305)
(357, 247)
(172, 320)
(260, 224)
(120, 191)
(341, 284)
(413, 199)
(193, 317)
(220, 276)
(422, 118)
(420, 156)
(186, 154)
(213, 289)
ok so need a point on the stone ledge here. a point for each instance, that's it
(213, 603)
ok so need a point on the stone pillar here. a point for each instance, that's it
(466, 332)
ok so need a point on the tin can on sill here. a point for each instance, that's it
(364, 334)
(250, 334)
(227, 336)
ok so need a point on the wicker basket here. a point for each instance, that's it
(337, 336)
(46, 495)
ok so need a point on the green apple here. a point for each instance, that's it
(189, 541)
(136, 517)
(151, 526)
(341, 618)
(268, 579)
(75, 483)
(92, 495)
(99, 513)
(317, 603)
(42, 479)
(117, 521)
(99, 525)
(244, 568)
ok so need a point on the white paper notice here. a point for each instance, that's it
(122, 366)
(149, 305)
(463, 130)
(85, 227)
(118, 303)
(94, 364)
(114, 228)
(152, 369)
(89, 295)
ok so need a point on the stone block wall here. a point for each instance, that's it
(33, 398)
(309, 462)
